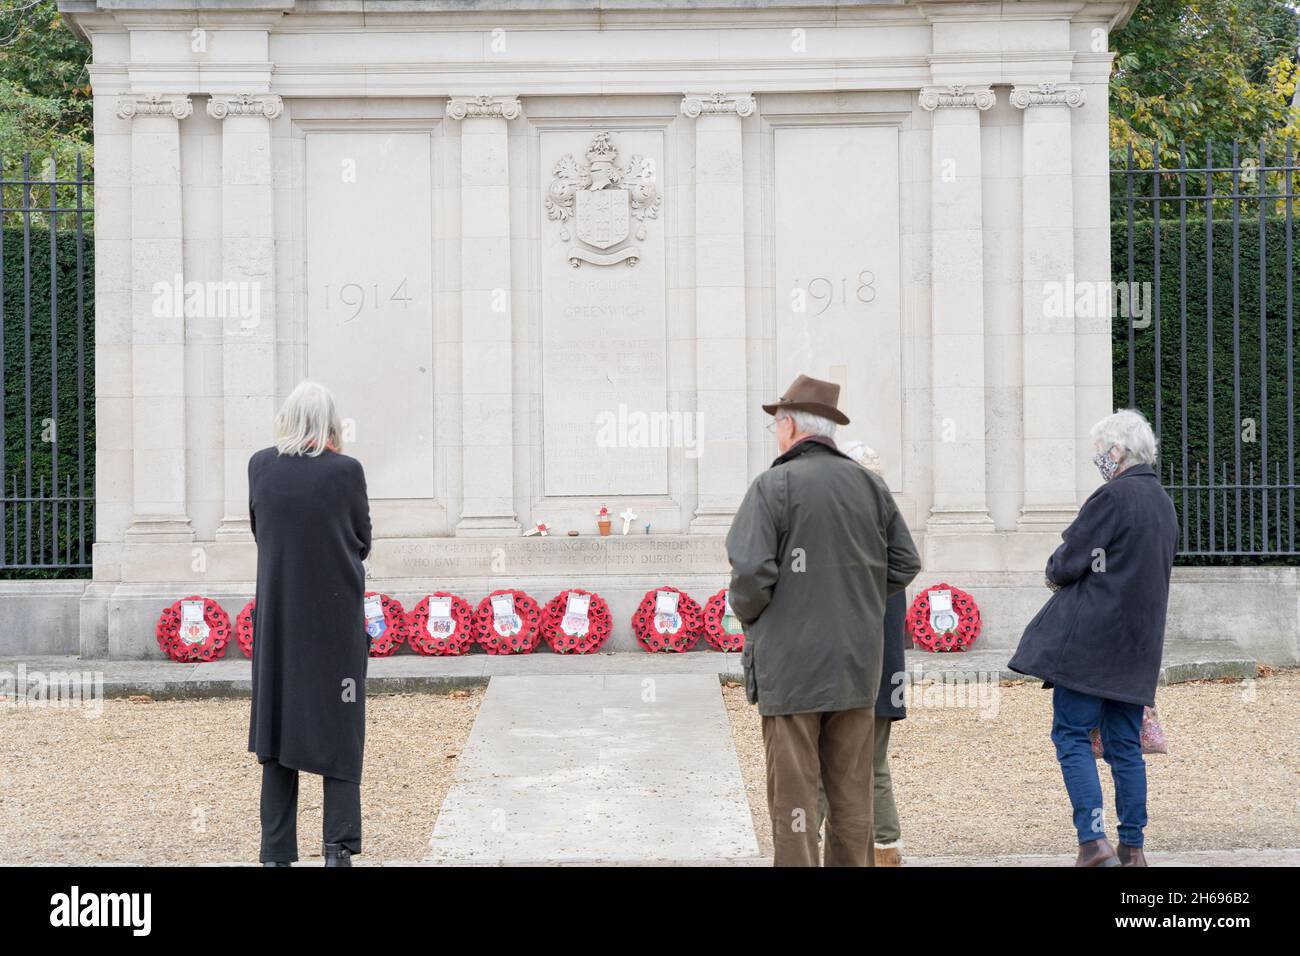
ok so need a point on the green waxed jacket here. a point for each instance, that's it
(816, 547)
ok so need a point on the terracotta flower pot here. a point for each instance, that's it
(604, 525)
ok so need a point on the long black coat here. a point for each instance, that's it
(816, 547)
(311, 519)
(1103, 632)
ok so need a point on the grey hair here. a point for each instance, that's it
(809, 424)
(308, 422)
(1128, 430)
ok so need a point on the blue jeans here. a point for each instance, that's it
(1073, 715)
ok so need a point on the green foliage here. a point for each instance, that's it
(1263, 384)
(45, 96)
(35, 269)
(1209, 70)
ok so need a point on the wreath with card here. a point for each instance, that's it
(441, 625)
(721, 626)
(195, 628)
(508, 621)
(385, 623)
(244, 628)
(943, 618)
(668, 619)
(576, 622)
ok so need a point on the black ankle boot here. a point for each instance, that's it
(337, 855)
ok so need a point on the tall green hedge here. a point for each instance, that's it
(30, 331)
(1235, 343)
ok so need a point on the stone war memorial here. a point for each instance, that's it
(552, 255)
(747, 410)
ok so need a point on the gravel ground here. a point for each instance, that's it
(172, 781)
(971, 786)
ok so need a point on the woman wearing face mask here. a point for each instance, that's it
(1098, 641)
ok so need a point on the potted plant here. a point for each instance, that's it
(603, 521)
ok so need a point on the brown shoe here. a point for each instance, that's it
(888, 856)
(1130, 855)
(1097, 853)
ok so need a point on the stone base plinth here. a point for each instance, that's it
(1258, 608)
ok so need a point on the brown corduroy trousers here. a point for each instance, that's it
(836, 747)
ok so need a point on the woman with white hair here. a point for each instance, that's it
(1098, 641)
(311, 519)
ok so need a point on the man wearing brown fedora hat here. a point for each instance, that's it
(816, 547)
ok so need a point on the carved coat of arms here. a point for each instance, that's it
(604, 200)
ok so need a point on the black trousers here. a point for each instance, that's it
(280, 813)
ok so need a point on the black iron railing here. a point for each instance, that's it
(1208, 236)
(46, 367)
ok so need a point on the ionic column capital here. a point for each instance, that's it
(175, 105)
(221, 105)
(1048, 94)
(697, 104)
(957, 96)
(483, 107)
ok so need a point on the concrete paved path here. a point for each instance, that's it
(597, 768)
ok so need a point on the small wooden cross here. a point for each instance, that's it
(628, 517)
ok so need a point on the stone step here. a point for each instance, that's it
(1183, 661)
(410, 673)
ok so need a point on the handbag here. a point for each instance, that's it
(1152, 736)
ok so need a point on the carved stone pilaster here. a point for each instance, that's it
(483, 107)
(957, 96)
(957, 318)
(248, 258)
(487, 423)
(741, 104)
(1048, 94)
(720, 305)
(221, 105)
(175, 105)
(1047, 227)
(159, 451)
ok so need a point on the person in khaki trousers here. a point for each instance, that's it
(816, 548)
(890, 704)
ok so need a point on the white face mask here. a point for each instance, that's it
(1105, 464)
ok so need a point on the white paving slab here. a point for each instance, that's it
(597, 768)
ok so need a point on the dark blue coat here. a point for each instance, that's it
(892, 698)
(1103, 632)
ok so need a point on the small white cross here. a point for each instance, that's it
(628, 517)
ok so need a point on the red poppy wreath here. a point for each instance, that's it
(508, 621)
(193, 629)
(721, 627)
(385, 623)
(244, 628)
(943, 618)
(668, 619)
(576, 622)
(441, 625)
